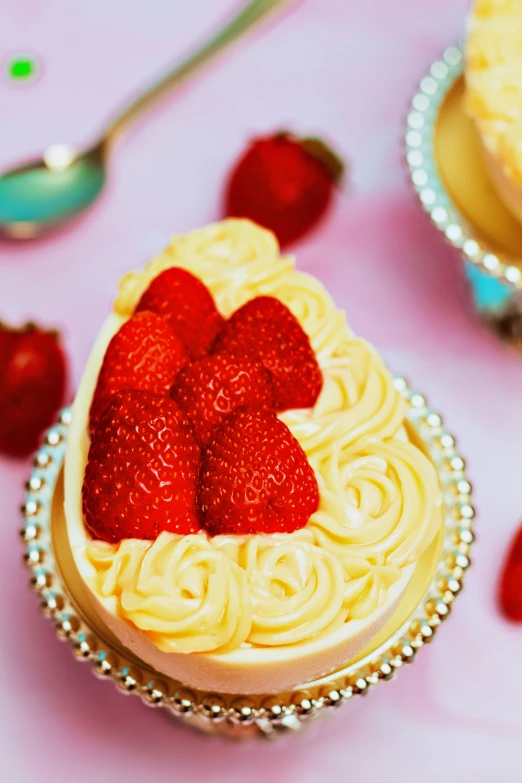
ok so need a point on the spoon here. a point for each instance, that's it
(42, 195)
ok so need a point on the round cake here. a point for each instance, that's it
(493, 73)
(242, 498)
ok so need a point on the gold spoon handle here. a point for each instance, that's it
(246, 18)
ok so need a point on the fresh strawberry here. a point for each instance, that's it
(187, 305)
(256, 478)
(32, 386)
(265, 327)
(510, 593)
(142, 470)
(145, 354)
(211, 388)
(283, 183)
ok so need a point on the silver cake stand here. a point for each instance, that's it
(428, 601)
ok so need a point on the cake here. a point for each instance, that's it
(241, 536)
(493, 98)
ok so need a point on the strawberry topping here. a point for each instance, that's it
(187, 306)
(255, 478)
(142, 470)
(154, 408)
(145, 354)
(211, 388)
(265, 328)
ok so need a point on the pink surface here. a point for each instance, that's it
(347, 71)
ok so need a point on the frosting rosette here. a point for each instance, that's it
(232, 257)
(377, 501)
(297, 589)
(314, 309)
(183, 593)
(367, 584)
(358, 403)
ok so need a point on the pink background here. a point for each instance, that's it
(347, 70)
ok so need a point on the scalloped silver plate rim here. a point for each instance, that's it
(433, 196)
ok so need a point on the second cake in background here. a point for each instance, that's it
(493, 72)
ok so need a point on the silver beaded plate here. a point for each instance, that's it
(244, 716)
(495, 280)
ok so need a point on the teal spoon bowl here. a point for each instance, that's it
(45, 194)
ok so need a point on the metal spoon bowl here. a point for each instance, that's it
(45, 194)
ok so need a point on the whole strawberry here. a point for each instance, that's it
(510, 594)
(256, 478)
(32, 386)
(145, 354)
(211, 388)
(142, 470)
(187, 306)
(264, 328)
(283, 183)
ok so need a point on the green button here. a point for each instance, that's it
(21, 68)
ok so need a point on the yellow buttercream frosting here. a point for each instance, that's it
(379, 496)
(184, 593)
(297, 589)
(494, 80)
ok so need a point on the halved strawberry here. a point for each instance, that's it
(255, 478)
(145, 354)
(265, 328)
(142, 470)
(211, 388)
(188, 307)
